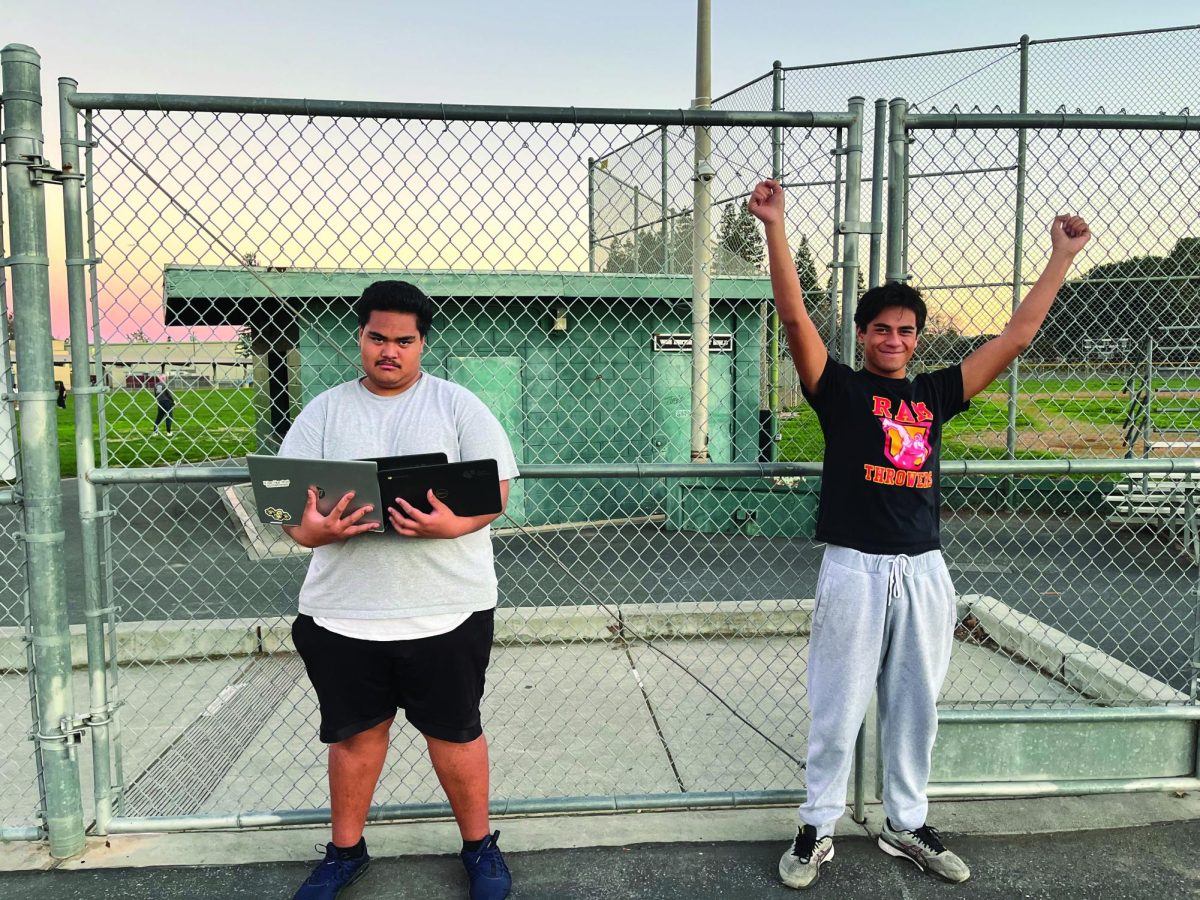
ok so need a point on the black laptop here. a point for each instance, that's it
(387, 464)
(470, 488)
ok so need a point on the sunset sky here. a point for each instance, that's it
(616, 54)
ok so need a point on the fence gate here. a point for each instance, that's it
(1056, 571)
(634, 665)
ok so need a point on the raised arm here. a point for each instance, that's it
(1068, 234)
(808, 350)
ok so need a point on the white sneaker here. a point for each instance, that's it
(801, 862)
(925, 849)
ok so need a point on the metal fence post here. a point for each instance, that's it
(99, 713)
(876, 240)
(851, 227)
(1018, 248)
(897, 189)
(897, 194)
(26, 173)
(637, 218)
(663, 202)
(106, 550)
(9, 470)
(835, 258)
(702, 249)
(880, 152)
(773, 404)
(591, 214)
(12, 472)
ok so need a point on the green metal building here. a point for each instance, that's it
(579, 368)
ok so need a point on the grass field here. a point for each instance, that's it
(972, 435)
(1056, 418)
(209, 424)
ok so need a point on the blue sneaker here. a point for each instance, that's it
(332, 874)
(490, 878)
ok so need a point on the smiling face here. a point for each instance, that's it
(889, 341)
(391, 349)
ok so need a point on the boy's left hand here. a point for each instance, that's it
(411, 522)
(1069, 234)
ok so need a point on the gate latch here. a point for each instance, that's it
(70, 732)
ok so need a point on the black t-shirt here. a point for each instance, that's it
(883, 438)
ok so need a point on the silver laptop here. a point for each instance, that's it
(281, 484)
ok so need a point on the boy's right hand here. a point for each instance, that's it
(316, 530)
(766, 202)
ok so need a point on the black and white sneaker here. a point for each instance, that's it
(925, 849)
(801, 862)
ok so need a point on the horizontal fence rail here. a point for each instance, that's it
(453, 112)
(952, 467)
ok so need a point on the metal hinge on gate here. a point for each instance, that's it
(40, 171)
(97, 719)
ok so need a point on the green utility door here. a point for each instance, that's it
(496, 380)
(673, 402)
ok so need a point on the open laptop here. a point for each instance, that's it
(281, 486)
(470, 488)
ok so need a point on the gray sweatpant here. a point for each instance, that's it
(883, 622)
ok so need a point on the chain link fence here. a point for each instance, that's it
(1143, 72)
(1114, 555)
(651, 637)
(18, 770)
(1112, 374)
(584, 362)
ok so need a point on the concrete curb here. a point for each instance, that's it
(1084, 668)
(172, 641)
(1080, 666)
(530, 833)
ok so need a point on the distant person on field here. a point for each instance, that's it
(885, 608)
(62, 394)
(165, 401)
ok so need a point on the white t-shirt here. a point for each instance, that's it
(387, 580)
(394, 629)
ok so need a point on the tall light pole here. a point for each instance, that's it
(702, 250)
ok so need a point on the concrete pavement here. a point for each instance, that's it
(1127, 847)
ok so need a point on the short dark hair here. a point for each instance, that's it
(892, 293)
(395, 296)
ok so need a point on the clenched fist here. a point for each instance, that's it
(766, 202)
(1069, 234)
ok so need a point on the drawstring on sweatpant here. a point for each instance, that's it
(900, 568)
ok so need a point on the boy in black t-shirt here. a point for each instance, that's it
(885, 607)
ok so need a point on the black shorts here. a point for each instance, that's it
(437, 681)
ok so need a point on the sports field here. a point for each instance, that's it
(209, 424)
(1055, 418)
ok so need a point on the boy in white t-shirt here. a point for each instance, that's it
(401, 620)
